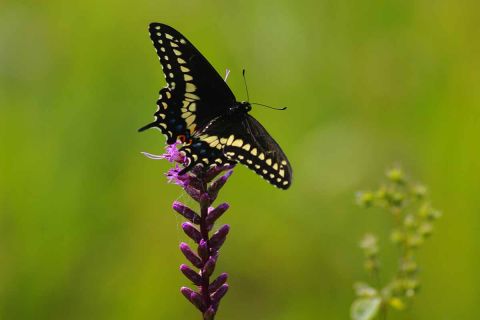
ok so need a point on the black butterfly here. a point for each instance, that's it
(198, 109)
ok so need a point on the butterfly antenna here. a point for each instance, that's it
(259, 104)
(227, 72)
(245, 82)
(264, 105)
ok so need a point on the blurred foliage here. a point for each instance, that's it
(412, 216)
(86, 229)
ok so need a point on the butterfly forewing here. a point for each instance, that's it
(194, 84)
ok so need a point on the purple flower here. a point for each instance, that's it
(202, 185)
(172, 154)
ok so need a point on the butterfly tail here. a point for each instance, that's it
(148, 126)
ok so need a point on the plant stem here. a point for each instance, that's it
(204, 205)
(384, 311)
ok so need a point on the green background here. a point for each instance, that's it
(86, 226)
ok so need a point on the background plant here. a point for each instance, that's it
(412, 217)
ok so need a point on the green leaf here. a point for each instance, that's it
(365, 308)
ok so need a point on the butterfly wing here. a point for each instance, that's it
(195, 92)
(193, 108)
(201, 153)
(246, 141)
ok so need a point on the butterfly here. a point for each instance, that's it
(198, 109)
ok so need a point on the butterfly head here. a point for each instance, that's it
(240, 107)
(245, 106)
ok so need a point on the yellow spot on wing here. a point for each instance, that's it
(186, 114)
(190, 120)
(230, 140)
(210, 139)
(189, 95)
(190, 87)
(237, 143)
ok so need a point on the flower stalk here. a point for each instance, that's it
(203, 186)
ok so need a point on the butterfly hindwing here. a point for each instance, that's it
(200, 153)
(246, 141)
(168, 117)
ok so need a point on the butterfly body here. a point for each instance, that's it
(198, 109)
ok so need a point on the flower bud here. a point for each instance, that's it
(216, 213)
(217, 283)
(191, 275)
(192, 257)
(218, 295)
(193, 297)
(186, 212)
(209, 267)
(219, 237)
(191, 231)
